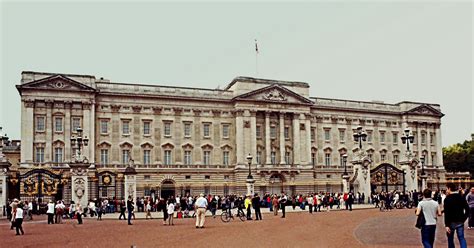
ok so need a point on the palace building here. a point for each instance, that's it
(181, 140)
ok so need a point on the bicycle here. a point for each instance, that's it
(226, 216)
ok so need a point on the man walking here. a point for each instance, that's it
(456, 211)
(430, 210)
(130, 207)
(200, 208)
(310, 201)
(470, 202)
(122, 210)
(283, 200)
(256, 207)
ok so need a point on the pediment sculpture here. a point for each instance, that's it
(274, 95)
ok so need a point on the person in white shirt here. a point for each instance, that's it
(310, 201)
(30, 210)
(19, 219)
(50, 212)
(148, 210)
(170, 209)
(59, 212)
(200, 208)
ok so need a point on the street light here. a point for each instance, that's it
(79, 141)
(360, 136)
(408, 138)
(249, 160)
(422, 160)
(344, 161)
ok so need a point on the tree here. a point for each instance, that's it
(459, 157)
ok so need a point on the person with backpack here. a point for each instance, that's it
(430, 210)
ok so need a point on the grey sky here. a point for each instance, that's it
(362, 51)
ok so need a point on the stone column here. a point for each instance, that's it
(345, 183)
(253, 135)
(296, 140)
(308, 139)
(67, 131)
(423, 182)
(48, 150)
(239, 137)
(439, 147)
(250, 182)
(282, 138)
(362, 170)
(92, 133)
(86, 112)
(268, 146)
(418, 140)
(4, 165)
(27, 129)
(411, 177)
(131, 184)
(79, 183)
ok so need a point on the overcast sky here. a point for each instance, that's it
(388, 51)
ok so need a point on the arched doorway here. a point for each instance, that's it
(276, 184)
(167, 189)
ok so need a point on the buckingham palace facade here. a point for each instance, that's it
(182, 140)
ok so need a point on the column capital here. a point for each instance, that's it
(136, 108)
(157, 110)
(29, 103)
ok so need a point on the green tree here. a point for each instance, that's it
(459, 157)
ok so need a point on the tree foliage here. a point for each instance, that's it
(459, 157)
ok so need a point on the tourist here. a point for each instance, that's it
(19, 219)
(50, 212)
(213, 206)
(248, 205)
(30, 210)
(310, 201)
(122, 210)
(200, 208)
(456, 211)
(350, 201)
(130, 207)
(430, 210)
(13, 207)
(170, 210)
(256, 207)
(162, 207)
(59, 212)
(79, 213)
(470, 202)
(72, 210)
(148, 210)
(283, 200)
(275, 204)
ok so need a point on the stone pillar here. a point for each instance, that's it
(92, 133)
(362, 173)
(423, 182)
(86, 112)
(439, 147)
(345, 183)
(253, 135)
(250, 182)
(296, 140)
(131, 184)
(4, 165)
(268, 145)
(79, 183)
(308, 140)
(239, 137)
(27, 129)
(410, 176)
(48, 150)
(67, 131)
(282, 138)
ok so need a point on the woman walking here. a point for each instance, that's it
(170, 212)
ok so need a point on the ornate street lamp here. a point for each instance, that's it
(422, 160)
(249, 160)
(408, 138)
(78, 142)
(344, 161)
(360, 136)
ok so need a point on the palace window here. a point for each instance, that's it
(273, 132)
(40, 123)
(313, 134)
(207, 177)
(76, 123)
(423, 138)
(167, 129)
(382, 137)
(125, 127)
(167, 157)
(258, 132)
(225, 157)
(327, 134)
(287, 157)
(382, 157)
(327, 159)
(207, 157)
(104, 156)
(39, 158)
(341, 159)
(58, 124)
(287, 132)
(369, 136)
(104, 126)
(187, 158)
(146, 127)
(259, 157)
(395, 159)
(187, 177)
(342, 135)
(395, 138)
(125, 156)
(313, 158)
(146, 157)
(58, 154)
(206, 130)
(225, 130)
(415, 138)
(433, 158)
(273, 157)
(187, 129)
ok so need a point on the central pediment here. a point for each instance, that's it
(56, 82)
(275, 94)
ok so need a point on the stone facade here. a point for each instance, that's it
(192, 140)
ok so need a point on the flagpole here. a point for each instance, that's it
(256, 58)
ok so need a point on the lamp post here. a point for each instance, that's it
(423, 175)
(78, 142)
(345, 176)
(359, 136)
(408, 138)
(250, 181)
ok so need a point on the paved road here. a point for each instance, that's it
(362, 228)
